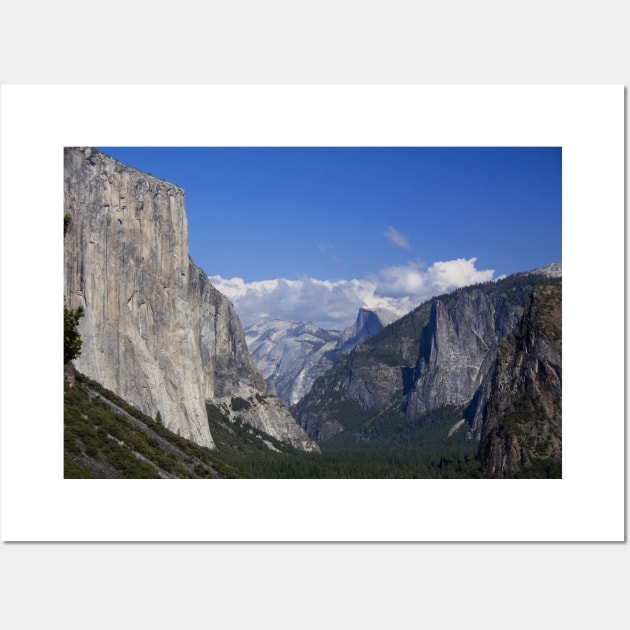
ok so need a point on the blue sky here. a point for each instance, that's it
(313, 233)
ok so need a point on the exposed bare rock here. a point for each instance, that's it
(458, 348)
(269, 414)
(155, 331)
(439, 355)
(368, 323)
(553, 270)
(291, 356)
(523, 417)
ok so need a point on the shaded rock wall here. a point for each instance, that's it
(440, 354)
(458, 348)
(292, 356)
(522, 421)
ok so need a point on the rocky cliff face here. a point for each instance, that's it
(522, 420)
(155, 331)
(439, 355)
(291, 356)
(368, 323)
(458, 348)
(366, 379)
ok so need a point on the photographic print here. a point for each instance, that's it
(313, 312)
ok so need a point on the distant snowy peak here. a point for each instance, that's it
(553, 270)
(270, 329)
(291, 355)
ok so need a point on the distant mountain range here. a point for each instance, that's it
(441, 363)
(291, 356)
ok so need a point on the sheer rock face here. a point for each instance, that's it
(442, 353)
(292, 356)
(522, 421)
(368, 323)
(155, 331)
(458, 349)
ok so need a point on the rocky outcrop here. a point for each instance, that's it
(291, 356)
(269, 414)
(365, 380)
(368, 323)
(440, 355)
(458, 348)
(522, 420)
(553, 270)
(228, 367)
(155, 331)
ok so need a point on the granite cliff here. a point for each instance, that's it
(440, 356)
(155, 331)
(291, 356)
(458, 347)
(522, 420)
(368, 323)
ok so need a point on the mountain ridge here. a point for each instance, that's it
(292, 355)
(438, 355)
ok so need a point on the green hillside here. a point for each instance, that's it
(105, 437)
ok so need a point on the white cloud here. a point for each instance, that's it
(334, 304)
(457, 273)
(419, 285)
(396, 238)
(330, 304)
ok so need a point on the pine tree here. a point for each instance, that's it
(71, 337)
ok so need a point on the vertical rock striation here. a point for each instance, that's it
(442, 354)
(458, 348)
(155, 331)
(522, 420)
(291, 356)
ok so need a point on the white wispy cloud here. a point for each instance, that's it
(333, 304)
(396, 238)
